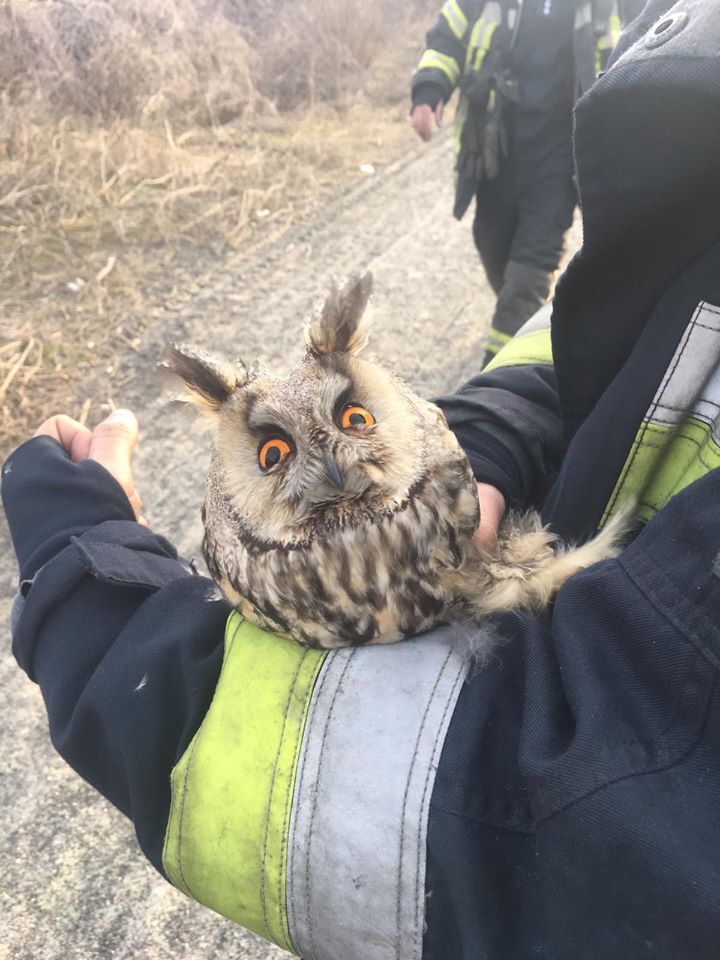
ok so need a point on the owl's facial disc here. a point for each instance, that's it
(336, 439)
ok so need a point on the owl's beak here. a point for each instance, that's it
(332, 471)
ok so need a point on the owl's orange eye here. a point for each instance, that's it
(273, 452)
(355, 417)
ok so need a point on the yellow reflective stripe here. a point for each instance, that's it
(599, 55)
(676, 442)
(484, 46)
(606, 42)
(524, 348)
(479, 43)
(477, 29)
(232, 790)
(663, 461)
(496, 340)
(440, 61)
(477, 47)
(455, 18)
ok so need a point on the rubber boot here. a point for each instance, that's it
(524, 290)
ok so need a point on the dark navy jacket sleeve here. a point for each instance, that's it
(442, 63)
(508, 423)
(124, 639)
(575, 809)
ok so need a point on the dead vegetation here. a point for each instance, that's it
(133, 131)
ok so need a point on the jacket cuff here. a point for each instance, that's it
(48, 499)
(492, 462)
(428, 93)
(119, 554)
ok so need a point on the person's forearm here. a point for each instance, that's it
(41, 514)
(123, 638)
(509, 424)
(483, 789)
(442, 62)
(428, 93)
(582, 764)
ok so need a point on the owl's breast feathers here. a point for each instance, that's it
(375, 578)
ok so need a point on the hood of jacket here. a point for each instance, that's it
(647, 147)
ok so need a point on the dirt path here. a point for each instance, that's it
(74, 886)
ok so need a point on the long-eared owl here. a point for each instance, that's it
(340, 509)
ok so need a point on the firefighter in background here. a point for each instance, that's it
(520, 65)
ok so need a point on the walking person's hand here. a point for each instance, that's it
(422, 116)
(110, 444)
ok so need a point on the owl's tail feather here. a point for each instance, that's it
(530, 564)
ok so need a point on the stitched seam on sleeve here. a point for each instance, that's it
(316, 790)
(431, 766)
(183, 796)
(268, 808)
(403, 815)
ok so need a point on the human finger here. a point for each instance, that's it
(72, 436)
(492, 510)
(112, 444)
(420, 120)
(439, 111)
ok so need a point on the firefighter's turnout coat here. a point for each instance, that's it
(560, 801)
(463, 34)
(472, 45)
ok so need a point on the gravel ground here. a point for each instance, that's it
(74, 885)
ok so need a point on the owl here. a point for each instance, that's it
(340, 508)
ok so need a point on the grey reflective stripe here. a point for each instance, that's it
(492, 12)
(691, 385)
(540, 320)
(356, 860)
(583, 16)
(16, 610)
(678, 440)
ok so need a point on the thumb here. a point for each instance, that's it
(439, 110)
(492, 509)
(112, 443)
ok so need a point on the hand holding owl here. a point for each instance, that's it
(110, 443)
(492, 511)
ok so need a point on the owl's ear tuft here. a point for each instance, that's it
(339, 326)
(210, 380)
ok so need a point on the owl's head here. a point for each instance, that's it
(337, 440)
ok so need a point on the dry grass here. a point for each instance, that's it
(132, 131)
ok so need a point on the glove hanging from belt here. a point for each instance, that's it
(488, 92)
